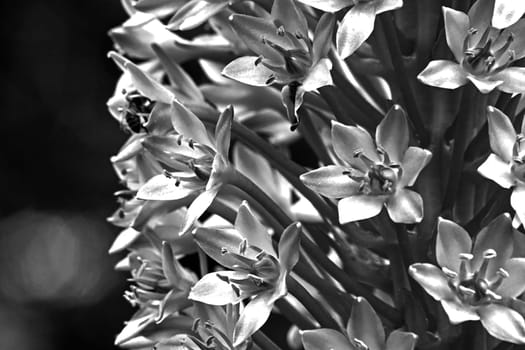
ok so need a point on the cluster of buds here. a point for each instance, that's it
(318, 170)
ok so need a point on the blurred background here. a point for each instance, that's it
(58, 289)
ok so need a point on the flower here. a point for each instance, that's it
(373, 174)
(364, 331)
(506, 165)
(484, 54)
(477, 282)
(285, 53)
(256, 269)
(358, 23)
(507, 12)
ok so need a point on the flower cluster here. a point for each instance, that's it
(265, 139)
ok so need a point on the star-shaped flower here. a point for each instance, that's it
(506, 165)
(286, 55)
(256, 270)
(373, 174)
(364, 330)
(483, 54)
(476, 281)
(358, 23)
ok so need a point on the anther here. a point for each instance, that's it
(449, 273)
(501, 275)
(195, 324)
(492, 295)
(467, 291)
(224, 250)
(242, 247)
(258, 60)
(360, 344)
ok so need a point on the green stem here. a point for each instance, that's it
(203, 262)
(294, 316)
(264, 342)
(402, 76)
(313, 137)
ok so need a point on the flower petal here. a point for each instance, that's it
(214, 241)
(330, 181)
(432, 279)
(388, 5)
(414, 160)
(253, 317)
(328, 5)
(359, 207)
(223, 132)
(188, 124)
(399, 340)
(484, 85)
(497, 170)
(503, 323)
(250, 228)
(458, 312)
(365, 325)
(349, 139)
(405, 206)
(517, 201)
(322, 37)
(456, 28)
(325, 338)
(318, 76)
(164, 188)
(502, 135)
(198, 207)
(194, 13)
(513, 80)
(214, 290)
(124, 240)
(507, 12)
(392, 133)
(247, 70)
(287, 14)
(289, 246)
(497, 235)
(451, 241)
(355, 27)
(443, 74)
(514, 285)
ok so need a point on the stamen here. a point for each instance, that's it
(502, 274)
(488, 255)
(466, 291)
(196, 324)
(493, 295)
(464, 266)
(449, 273)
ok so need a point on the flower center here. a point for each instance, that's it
(483, 58)
(475, 287)
(136, 114)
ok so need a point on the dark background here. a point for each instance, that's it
(58, 289)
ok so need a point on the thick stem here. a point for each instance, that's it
(264, 342)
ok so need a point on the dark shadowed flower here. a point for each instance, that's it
(256, 270)
(373, 174)
(364, 330)
(477, 281)
(506, 165)
(483, 54)
(358, 23)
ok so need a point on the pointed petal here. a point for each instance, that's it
(355, 27)
(289, 246)
(124, 240)
(405, 206)
(250, 228)
(443, 74)
(497, 235)
(253, 317)
(507, 12)
(328, 5)
(246, 70)
(330, 181)
(514, 285)
(359, 207)
(287, 14)
(223, 132)
(318, 76)
(513, 80)
(457, 25)
(147, 86)
(517, 201)
(188, 124)
(484, 85)
(451, 241)
(503, 323)
(388, 5)
(480, 15)
(163, 188)
(458, 312)
(497, 170)
(323, 37)
(518, 45)
(198, 207)
(432, 279)
(214, 290)
(501, 133)
(215, 241)
(392, 133)
(349, 139)
(415, 159)
(399, 340)
(194, 13)
(365, 325)
(325, 338)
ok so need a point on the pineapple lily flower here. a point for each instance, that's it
(373, 174)
(477, 281)
(483, 54)
(256, 269)
(358, 23)
(364, 331)
(286, 55)
(506, 165)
